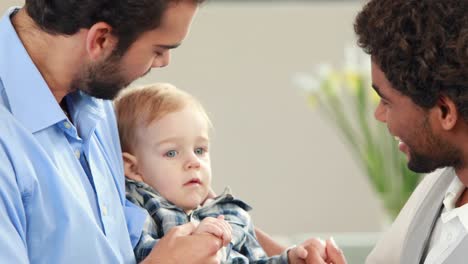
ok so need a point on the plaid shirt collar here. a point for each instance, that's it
(141, 193)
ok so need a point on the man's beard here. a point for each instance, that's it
(438, 154)
(103, 80)
(424, 163)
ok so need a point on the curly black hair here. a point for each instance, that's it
(128, 18)
(421, 46)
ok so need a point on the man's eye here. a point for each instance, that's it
(200, 151)
(171, 154)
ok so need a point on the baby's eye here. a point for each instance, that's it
(171, 154)
(200, 151)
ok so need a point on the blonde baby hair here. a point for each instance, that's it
(138, 107)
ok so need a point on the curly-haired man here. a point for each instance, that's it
(419, 53)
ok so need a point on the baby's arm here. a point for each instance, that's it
(251, 249)
(217, 227)
(310, 251)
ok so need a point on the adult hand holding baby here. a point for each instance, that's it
(182, 245)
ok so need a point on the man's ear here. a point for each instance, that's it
(447, 112)
(131, 167)
(100, 42)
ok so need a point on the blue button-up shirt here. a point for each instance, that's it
(62, 195)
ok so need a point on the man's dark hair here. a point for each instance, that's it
(128, 18)
(421, 46)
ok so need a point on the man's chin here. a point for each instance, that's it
(109, 93)
(422, 167)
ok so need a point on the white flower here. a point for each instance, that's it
(324, 70)
(356, 60)
(306, 82)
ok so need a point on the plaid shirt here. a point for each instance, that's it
(163, 215)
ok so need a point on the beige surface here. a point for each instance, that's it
(274, 151)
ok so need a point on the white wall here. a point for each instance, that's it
(274, 151)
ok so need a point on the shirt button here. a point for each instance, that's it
(67, 125)
(77, 154)
(104, 210)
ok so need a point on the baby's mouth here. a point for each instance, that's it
(193, 181)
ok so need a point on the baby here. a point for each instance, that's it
(165, 142)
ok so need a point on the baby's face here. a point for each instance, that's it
(173, 157)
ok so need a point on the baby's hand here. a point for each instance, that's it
(297, 255)
(311, 250)
(217, 227)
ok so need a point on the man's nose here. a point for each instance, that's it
(379, 113)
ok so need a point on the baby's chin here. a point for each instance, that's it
(189, 207)
(188, 210)
(192, 203)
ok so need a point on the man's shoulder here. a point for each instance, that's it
(18, 152)
(390, 246)
(431, 178)
(10, 127)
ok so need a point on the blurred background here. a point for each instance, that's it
(275, 151)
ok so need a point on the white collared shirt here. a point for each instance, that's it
(451, 227)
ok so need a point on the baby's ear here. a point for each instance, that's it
(131, 167)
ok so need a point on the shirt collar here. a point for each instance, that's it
(454, 191)
(452, 194)
(28, 95)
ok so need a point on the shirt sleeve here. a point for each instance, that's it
(244, 241)
(136, 218)
(13, 247)
(255, 253)
(143, 238)
(144, 246)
